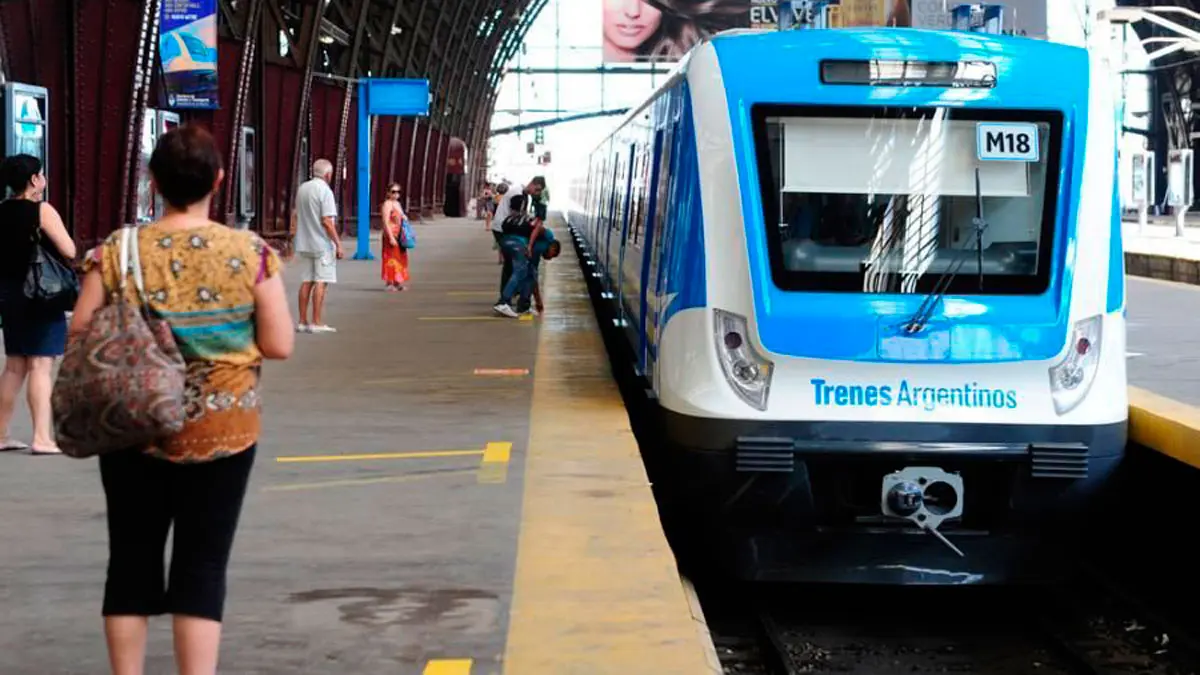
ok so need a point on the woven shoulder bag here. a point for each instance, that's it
(121, 384)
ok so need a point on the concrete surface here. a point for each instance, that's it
(362, 566)
(1164, 338)
(380, 534)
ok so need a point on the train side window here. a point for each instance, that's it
(644, 191)
(638, 193)
(665, 171)
(618, 206)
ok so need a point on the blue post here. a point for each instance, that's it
(363, 251)
(380, 97)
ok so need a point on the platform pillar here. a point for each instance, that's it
(363, 185)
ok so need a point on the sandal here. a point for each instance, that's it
(10, 445)
(44, 451)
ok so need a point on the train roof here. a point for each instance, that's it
(759, 53)
(892, 43)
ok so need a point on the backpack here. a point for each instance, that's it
(516, 224)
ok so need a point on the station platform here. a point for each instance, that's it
(1163, 341)
(439, 491)
(1155, 251)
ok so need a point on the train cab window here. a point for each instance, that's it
(886, 200)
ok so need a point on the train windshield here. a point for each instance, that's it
(891, 199)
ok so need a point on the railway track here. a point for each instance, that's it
(884, 631)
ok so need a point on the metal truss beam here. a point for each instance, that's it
(508, 24)
(516, 129)
(467, 90)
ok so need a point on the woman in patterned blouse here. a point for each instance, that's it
(221, 292)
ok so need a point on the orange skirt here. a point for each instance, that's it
(395, 262)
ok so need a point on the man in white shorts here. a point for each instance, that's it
(318, 245)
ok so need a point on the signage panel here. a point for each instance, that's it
(187, 50)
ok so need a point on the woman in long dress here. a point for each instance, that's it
(395, 256)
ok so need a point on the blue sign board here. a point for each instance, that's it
(187, 51)
(391, 97)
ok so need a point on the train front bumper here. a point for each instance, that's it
(804, 501)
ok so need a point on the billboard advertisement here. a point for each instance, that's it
(187, 49)
(664, 30)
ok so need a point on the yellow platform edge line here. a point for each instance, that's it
(596, 587)
(378, 455)
(448, 667)
(1165, 425)
(493, 468)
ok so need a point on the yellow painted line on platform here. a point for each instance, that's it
(1164, 424)
(493, 468)
(502, 372)
(448, 667)
(356, 482)
(378, 455)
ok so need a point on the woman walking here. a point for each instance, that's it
(221, 292)
(395, 255)
(33, 336)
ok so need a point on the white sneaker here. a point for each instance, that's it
(505, 310)
(304, 328)
(323, 329)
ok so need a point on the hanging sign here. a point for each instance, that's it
(1007, 142)
(187, 49)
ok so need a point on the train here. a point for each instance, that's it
(871, 283)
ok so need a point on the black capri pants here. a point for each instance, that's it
(146, 496)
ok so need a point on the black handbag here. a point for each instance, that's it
(50, 285)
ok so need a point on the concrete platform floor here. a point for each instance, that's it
(381, 530)
(355, 566)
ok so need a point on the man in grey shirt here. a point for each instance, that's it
(318, 245)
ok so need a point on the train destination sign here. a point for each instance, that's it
(1007, 142)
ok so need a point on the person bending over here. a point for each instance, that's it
(518, 231)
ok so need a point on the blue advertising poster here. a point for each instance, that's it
(187, 47)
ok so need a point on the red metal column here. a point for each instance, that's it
(412, 203)
(426, 202)
(391, 173)
(246, 60)
(104, 61)
(439, 174)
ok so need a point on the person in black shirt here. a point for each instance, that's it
(33, 337)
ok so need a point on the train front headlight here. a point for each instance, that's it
(1071, 378)
(747, 372)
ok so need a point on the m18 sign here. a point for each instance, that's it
(1007, 142)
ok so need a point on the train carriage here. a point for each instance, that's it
(874, 281)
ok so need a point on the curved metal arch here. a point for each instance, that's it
(393, 38)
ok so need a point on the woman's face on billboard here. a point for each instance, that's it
(627, 24)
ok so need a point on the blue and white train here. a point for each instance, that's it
(874, 281)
